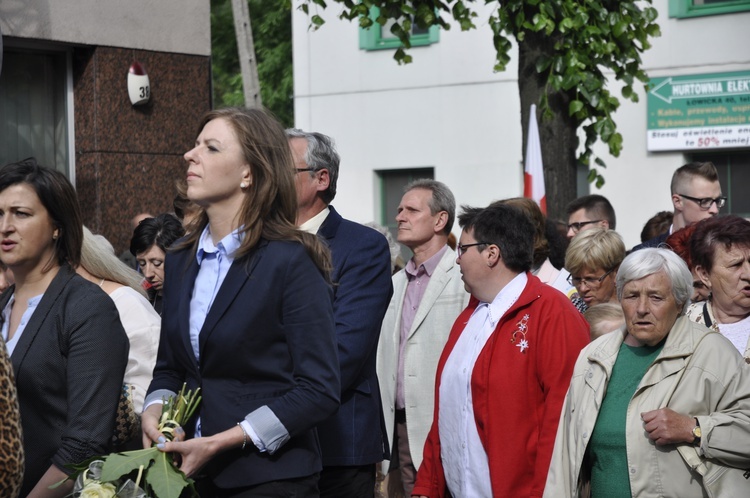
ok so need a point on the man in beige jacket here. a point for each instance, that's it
(428, 295)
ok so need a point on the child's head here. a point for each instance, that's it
(604, 318)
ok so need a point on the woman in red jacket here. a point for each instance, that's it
(505, 369)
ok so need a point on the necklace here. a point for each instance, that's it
(101, 283)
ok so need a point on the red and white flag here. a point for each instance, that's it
(533, 170)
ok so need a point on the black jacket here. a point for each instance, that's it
(69, 366)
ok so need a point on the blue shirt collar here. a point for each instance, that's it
(227, 246)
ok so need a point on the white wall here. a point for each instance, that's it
(178, 26)
(448, 110)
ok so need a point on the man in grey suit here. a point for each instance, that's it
(428, 295)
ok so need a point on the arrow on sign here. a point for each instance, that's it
(668, 90)
(713, 87)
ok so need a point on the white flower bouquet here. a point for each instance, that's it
(147, 473)
(89, 484)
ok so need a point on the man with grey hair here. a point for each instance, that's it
(353, 440)
(428, 296)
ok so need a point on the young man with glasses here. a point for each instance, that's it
(696, 195)
(590, 211)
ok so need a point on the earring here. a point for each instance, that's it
(243, 185)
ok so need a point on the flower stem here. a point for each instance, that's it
(137, 481)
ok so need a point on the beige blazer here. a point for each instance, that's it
(443, 301)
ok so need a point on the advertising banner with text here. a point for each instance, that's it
(705, 111)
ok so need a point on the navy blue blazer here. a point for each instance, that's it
(268, 340)
(362, 290)
(655, 242)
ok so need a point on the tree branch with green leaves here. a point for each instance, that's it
(570, 46)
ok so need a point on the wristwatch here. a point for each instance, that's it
(697, 433)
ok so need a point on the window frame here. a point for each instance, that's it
(371, 38)
(725, 161)
(687, 9)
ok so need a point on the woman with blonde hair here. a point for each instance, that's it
(96, 257)
(604, 318)
(141, 323)
(592, 260)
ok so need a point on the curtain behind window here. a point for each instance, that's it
(32, 109)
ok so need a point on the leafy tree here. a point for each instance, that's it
(565, 46)
(272, 33)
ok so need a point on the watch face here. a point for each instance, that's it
(697, 432)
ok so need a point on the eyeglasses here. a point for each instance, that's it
(590, 282)
(576, 227)
(705, 203)
(461, 248)
(302, 170)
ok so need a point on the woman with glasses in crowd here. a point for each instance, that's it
(542, 267)
(592, 259)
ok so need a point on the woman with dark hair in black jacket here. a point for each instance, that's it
(63, 334)
(151, 240)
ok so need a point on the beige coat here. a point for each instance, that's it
(443, 301)
(698, 373)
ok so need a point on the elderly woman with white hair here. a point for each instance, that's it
(659, 407)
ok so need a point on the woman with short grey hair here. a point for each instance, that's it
(641, 264)
(659, 407)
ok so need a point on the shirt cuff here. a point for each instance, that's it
(266, 430)
(253, 436)
(157, 396)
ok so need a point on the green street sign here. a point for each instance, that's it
(706, 111)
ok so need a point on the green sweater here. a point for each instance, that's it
(606, 450)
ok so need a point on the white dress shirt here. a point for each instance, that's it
(467, 470)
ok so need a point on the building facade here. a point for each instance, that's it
(449, 117)
(64, 98)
